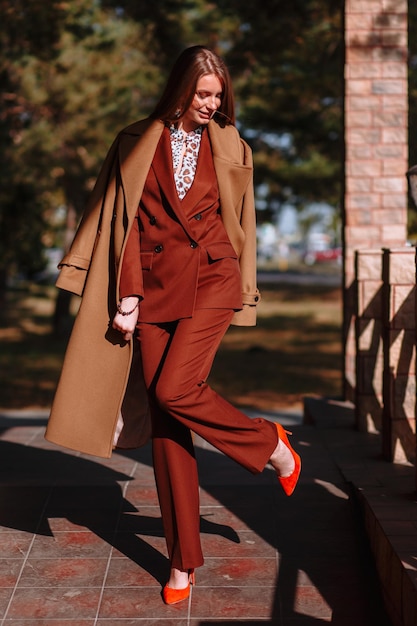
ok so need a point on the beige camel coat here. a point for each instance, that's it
(100, 401)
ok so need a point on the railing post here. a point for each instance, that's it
(369, 349)
(399, 379)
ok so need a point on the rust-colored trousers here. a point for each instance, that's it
(177, 358)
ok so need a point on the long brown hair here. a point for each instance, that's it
(191, 65)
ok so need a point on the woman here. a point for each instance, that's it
(173, 210)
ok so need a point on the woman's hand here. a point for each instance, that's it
(126, 323)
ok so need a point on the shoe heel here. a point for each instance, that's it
(289, 483)
(173, 596)
(192, 577)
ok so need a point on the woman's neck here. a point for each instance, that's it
(187, 129)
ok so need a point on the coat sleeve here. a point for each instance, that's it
(247, 260)
(75, 264)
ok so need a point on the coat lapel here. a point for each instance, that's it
(233, 166)
(137, 148)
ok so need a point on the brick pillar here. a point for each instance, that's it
(369, 346)
(376, 112)
(399, 332)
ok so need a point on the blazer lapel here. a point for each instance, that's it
(203, 179)
(164, 173)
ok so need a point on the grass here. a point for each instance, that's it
(295, 349)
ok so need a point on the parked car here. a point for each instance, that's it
(325, 255)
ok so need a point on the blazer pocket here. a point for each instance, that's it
(222, 250)
(146, 260)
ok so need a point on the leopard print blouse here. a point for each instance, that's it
(185, 148)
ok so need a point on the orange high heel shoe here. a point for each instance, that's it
(289, 483)
(172, 596)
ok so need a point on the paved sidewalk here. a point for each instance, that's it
(81, 540)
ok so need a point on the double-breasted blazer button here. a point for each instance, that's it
(193, 244)
(198, 217)
(152, 220)
(158, 248)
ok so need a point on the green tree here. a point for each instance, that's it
(64, 93)
(28, 28)
(289, 62)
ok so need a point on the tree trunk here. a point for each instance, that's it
(62, 321)
(3, 286)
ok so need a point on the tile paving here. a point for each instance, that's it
(81, 541)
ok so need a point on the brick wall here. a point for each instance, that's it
(376, 113)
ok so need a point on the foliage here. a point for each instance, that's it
(26, 28)
(285, 94)
(64, 93)
(73, 73)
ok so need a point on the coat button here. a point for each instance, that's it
(152, 220)
(158, 248)
(198, 217)
(193, 244)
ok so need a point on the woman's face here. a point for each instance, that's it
(206, 101)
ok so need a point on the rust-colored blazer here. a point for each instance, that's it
(171, 239)
(93, 388)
